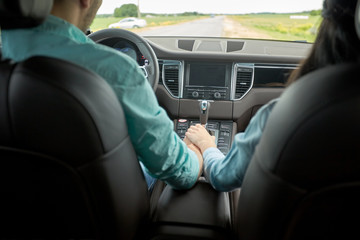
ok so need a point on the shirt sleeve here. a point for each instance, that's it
(226, 173)
(157, 145)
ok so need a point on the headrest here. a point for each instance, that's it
(357, 18)
(23, 13)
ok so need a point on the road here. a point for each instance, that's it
(219, 26)
(209, 27)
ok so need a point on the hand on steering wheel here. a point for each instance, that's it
(150, 70)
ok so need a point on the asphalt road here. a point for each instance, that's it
(209, 27)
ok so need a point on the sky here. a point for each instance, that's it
(213, 6)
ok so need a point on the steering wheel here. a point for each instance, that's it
(151, 70)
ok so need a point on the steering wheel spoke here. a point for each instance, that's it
(144, 70)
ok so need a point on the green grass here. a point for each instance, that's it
(281, 27)
(103, 22)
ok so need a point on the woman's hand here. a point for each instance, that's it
(200, 137)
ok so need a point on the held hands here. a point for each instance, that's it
(200, 137)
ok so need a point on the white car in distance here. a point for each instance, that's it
(130, 22)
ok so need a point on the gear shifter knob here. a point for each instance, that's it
(204, 112)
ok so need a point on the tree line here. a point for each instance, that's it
(130, 10)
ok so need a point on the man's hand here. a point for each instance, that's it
(200, 137)
(198, 154)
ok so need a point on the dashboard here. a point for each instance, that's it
(237, 76)
(209, 79)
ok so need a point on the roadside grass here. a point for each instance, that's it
(103, 22)
(281, 26)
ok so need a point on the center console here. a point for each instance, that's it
(200, 212)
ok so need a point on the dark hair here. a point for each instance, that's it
(336, 42)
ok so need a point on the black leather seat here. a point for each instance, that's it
(304, 179)
(68, 169)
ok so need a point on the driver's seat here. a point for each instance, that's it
(68, 169)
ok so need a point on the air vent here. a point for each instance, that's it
(244, 79)
(171, 79)
(161, 63)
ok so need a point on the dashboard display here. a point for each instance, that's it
(128, 51)
(207, 75)
(131, 50)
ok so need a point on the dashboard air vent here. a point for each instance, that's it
(244, 79)
(171, 79)
(161, 63)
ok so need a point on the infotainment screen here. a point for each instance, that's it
(207, 75)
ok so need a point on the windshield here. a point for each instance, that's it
(286, 20)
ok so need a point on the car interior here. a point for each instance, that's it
(69, 170)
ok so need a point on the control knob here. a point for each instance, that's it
(217, 95)
(195, 94)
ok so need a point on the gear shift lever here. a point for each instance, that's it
(204, 112)
(204, 115)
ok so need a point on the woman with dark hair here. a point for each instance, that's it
(336, 42)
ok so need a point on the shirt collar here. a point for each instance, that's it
(57, 26)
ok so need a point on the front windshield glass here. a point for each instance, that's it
(286, 20)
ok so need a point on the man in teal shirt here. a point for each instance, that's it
(61, 36)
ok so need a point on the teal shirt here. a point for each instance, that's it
(158, 147)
